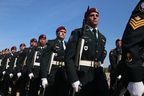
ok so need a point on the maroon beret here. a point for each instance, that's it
(33, 40)
(42, 36)
(13, 48)
(6, 49)
(90, 11)
(60, 28)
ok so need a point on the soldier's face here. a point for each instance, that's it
(3, 52)
(92, 19)
(13, 51)
(33, 43)
(22, 48)
(61, 34)
(43, 41)
(7, 52)
(119, 44)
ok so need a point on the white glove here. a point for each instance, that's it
(136, 88)
(3, 72)
(11, 75)
(31, 75)
(76, 85)
(19, 74)
(44, 82)
(119, 77)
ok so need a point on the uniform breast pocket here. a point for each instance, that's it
(88, 49)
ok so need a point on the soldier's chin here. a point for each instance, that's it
(95, 24)
(62, 38)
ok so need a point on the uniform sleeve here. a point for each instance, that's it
(131, 51)
(133, 41)
(70, 56)
(102, 50)
(103, 56)
(112, 59)
(44, 61)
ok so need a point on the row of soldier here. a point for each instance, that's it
(40, 68)
(11, 66)
(21, 71)
(73, 68)
(16, 69)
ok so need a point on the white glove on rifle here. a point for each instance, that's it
(31, 75)
(19, 74)
(44, 82)
(3, 72)
(136, 88)
(76, 85)
(11, 75)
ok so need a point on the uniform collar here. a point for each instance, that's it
(60, 40)
(91, 29)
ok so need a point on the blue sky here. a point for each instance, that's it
(21, 20)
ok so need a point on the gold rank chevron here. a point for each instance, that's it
(136, 23)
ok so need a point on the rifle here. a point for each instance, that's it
(81, 41)
(79, 49)
(72, 92)
(119, 87)
(10, 86)
(42, 91)
(28, 87)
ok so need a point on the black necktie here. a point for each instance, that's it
(94, 30)
(61, 44)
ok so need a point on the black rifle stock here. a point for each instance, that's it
(79, 49)
(81, 43)
(28, 87)
(42, 91)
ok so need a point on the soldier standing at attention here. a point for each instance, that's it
(17, 69)
(35, 66)
(24, 63)
(86, 76)
(52, 64)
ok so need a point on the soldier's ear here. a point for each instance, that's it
(56, 34)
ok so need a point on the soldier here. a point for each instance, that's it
(1, 74)
(52, 63)
(10, 71)
(114, 57)
(17, 68)
(86, 76)
(132, 65)
(25, 63)
(5, 66)
(1, 58)
(35, 68)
